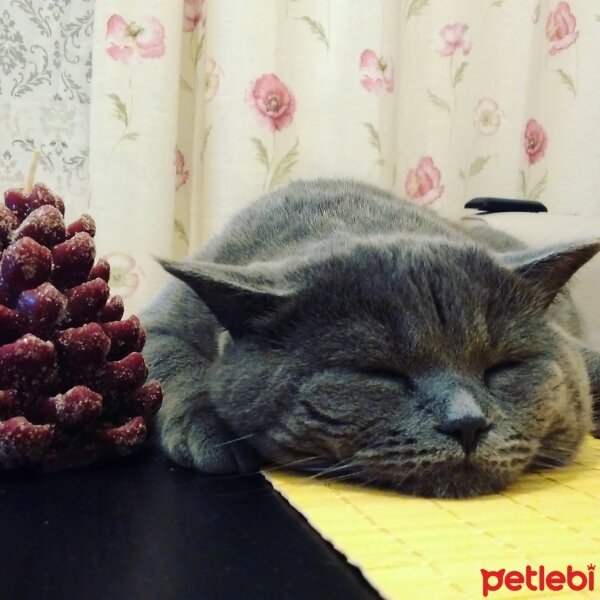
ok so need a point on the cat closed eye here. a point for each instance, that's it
(386, 374)
(499, 369)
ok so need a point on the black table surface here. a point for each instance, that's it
(145, 529)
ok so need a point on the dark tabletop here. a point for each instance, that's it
(145, 529)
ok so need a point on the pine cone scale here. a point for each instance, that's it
(72, 378)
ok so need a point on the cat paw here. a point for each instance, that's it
(197, 438)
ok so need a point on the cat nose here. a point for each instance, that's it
(464, 420)
(467, 430)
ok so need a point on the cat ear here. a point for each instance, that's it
(549, 269)
(237, 296)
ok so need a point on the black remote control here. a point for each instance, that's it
(493, 205)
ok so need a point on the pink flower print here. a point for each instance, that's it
(193, 14)
(535, 141)
(124, 274)
(422, 184)
(273, 101)
(181, 173)
(487, 116)
(455, 37)
(212, 79)
(560, 28)
(129, 41)
(377, 73)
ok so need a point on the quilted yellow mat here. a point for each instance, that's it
(422, 548)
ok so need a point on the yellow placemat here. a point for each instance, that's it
(425, 548)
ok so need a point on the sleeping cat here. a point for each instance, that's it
(336, 328)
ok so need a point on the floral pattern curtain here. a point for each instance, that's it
(198, 106)
(45, 74)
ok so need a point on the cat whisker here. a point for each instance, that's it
(263, 471)
(366, 481)
(238, 439)
(270, 469)
(351, 476)
(545, 462)
(555, 450)
(291, 463)
(345, 464)
(407, 475)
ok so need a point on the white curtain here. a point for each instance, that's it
(200, 105)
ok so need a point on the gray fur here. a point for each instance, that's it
(334, 327)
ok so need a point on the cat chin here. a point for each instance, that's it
(456, 482)
(445, 480)
(449, 480)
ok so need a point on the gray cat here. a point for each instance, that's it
(336, 328)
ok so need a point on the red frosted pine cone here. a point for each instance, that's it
(72, 380)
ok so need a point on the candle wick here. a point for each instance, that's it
(35, 158)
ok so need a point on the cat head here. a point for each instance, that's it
(435, 368)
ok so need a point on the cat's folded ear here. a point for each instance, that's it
(238, 296)
(549, 269)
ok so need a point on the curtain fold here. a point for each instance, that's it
(198, 106)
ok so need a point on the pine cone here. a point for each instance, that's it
(72, 377)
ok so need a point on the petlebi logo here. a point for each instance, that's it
(539, 580)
